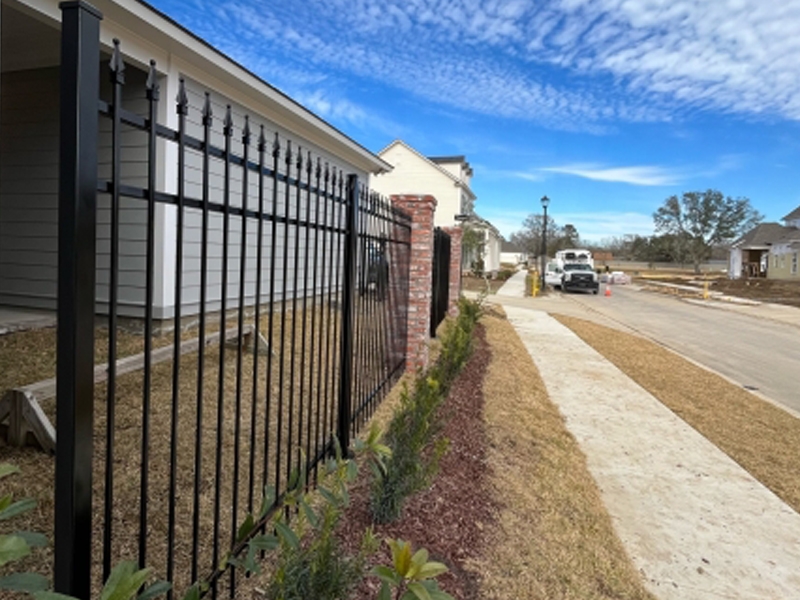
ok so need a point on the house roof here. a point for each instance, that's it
(433, 164)
(766, 234)
(795, 214)
(447, 160)
(506, 246)
(481, 222)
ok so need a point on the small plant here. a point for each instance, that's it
(410, 576)
(409, 469)
(413, 436)
(315, 567)
(376, 452)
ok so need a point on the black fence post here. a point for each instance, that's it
(348, 310)
(441, 278)
(80, 71)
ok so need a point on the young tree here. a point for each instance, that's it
(529, 238)
(473, 241)
(699, 220)
(563, 238)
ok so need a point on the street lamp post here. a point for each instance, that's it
(545, 203)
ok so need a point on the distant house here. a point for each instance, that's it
(768, 250)
(490, 249)
(512, 254)
(603, 257)
(446, 178)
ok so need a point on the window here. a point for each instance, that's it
(794, 263)
(783, 261)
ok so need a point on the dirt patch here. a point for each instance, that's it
(761, 437)
(763, 290)
(470, 283)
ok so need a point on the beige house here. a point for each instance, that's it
(446, 178)
(768, 250)
(784, 258)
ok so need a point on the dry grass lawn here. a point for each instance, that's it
(303, 396)
(761, 437)
(554, 538)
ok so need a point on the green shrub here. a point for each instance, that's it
(313, 565)
(411, 431)
(413, 435)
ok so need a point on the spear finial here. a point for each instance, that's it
(117, 65)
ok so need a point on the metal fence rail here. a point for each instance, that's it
(307, 266)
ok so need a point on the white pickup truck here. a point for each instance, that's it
(579, 276)
(555, 269)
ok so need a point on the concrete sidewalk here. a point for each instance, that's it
(695, 523)
(514, 287)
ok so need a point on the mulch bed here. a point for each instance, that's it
(447, 519)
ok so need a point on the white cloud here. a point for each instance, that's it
(340, 110)
(568, 64)
(644, 175)
(596, 226)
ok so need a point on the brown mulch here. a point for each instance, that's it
(447, 519)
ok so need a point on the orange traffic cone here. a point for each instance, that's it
(608, 290)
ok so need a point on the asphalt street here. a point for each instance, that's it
(755, 353)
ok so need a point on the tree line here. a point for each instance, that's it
(689, 230)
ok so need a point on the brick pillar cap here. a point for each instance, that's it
(417, 199)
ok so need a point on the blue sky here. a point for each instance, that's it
(606, 106)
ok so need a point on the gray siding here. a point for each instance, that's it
(132, 243)
(293, 244)
(29, 204)
(29, 187)
(29, 124)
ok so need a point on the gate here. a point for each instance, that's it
(271, 351)
(441, 278)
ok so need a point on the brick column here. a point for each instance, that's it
(455, 233)
(420, 288)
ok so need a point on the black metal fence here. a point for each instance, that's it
(441, 278)
(289, 298)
